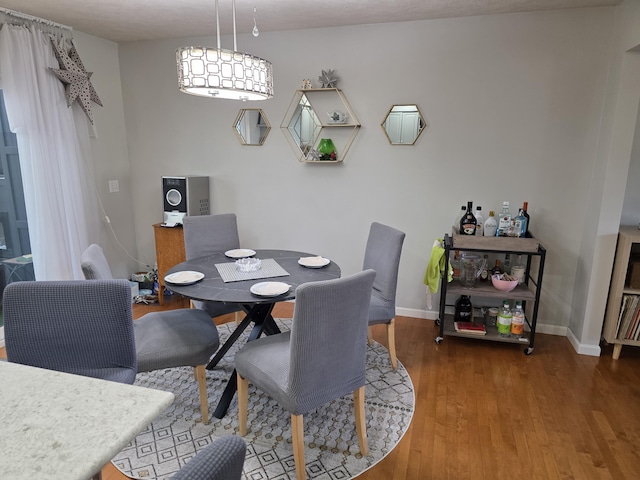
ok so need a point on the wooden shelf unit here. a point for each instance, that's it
(169, 252)
(627, 237)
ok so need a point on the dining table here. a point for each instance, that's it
(62, 426)
(219, 279)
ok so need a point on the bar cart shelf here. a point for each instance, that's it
(528, 293)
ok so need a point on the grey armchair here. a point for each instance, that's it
(382, 254)
(79, 327)
(223, 459)
(322, 358)
(205, 234)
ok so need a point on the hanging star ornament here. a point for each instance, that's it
(75, 77)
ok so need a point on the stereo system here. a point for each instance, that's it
(184, 196)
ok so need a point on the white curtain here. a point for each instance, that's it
(54, 150)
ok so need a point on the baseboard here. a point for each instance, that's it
(582, 348)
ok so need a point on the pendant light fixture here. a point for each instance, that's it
(219, 73)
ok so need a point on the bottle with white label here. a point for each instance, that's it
(504, 319)
(504, 221)
(490, 225)
(517, 321)
(480, 220)
(468, 222)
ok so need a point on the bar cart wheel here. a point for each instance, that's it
(528, 350)
(439, 340)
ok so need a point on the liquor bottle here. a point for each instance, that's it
(525, 206)
(506, 266)
(504, 222)
(496, 270)
(490, 225)
(518, 225)
(484, 273)
(480, 220)
(504, 319)
(461, 214)
(468, 222)
(463, 309)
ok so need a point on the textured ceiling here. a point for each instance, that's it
(131, 20)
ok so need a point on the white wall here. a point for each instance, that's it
(513, 104)
(609, 178)
(110, 157)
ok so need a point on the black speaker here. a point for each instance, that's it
(184, 196)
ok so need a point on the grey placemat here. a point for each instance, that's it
(269, 268)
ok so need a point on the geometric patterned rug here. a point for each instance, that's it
(330, 440)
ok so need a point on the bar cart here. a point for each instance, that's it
(528, 293)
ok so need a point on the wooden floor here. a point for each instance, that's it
(487, 411)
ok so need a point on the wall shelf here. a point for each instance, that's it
(307, 121)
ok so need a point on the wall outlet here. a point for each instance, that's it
(114, 186)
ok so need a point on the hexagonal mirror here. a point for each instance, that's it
(304, 126)
(251, 126)
(403, 124)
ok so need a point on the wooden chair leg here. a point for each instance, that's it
(361, 420)
(369, 336)
(201, 378)
(391, 336)
(243, 404)
(237, 318)
(297, 435)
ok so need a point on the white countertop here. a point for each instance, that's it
(60, 426)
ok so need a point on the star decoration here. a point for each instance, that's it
(329, 79)
(76, 79)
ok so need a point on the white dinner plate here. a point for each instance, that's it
(240, 253)
(186, 277)
(314, 262)
(269, 289)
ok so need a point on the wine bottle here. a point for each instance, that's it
(468, 222)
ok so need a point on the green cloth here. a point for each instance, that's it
(435, 268)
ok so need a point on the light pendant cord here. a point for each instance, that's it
(218, 23)
(233, 7)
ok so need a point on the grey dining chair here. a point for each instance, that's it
(182, 337)
(79, 327)
(94, 264)
(382, 254)
(322, 357)
(223, 459)
(206, 234)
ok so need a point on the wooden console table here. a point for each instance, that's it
(169, 252)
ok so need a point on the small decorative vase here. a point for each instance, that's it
(327, 149)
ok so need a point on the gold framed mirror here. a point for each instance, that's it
(251, 126)
(304, 126)
(403, 124)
